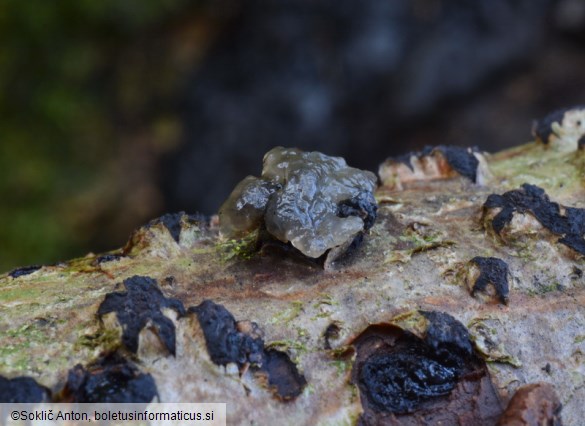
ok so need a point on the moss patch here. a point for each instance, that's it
(243, 248)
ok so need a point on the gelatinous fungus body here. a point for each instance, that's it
(309, 199)
(110, 379)
(434, 378)
(22, 390)
(492, 271)
(532, 199)
(26, 270)
(230, 341)
(558, 124)
(140, 305)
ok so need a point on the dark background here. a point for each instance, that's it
(113, 112)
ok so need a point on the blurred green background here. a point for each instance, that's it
(85, 105)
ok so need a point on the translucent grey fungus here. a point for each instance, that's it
(309, 199)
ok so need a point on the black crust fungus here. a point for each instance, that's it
(174, 222)
(543, 129)
(104, 258)
(399, 382)
(112, 379)
(461, 159)
(531, 198)
(25, 270)
(492, 271)
(283, 375)
(226, 344)
(448, 338)
(22, 390)
(331, 333)
(362, 205)
(399, 373)
(140, 304)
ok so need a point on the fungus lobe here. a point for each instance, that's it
(227, 343)
(432, 163)
(110, 379)
(433, 379)
(22, 390)
(532, 199)
(174, 222)
(139, 305)
(25, 270)
(462, 160)
(571, 120)
(493, 271)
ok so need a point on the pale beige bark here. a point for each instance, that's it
(415, 257)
